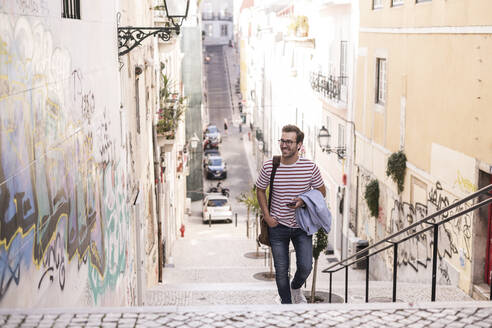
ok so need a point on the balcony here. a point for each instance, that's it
(330, 87)
(217, 17)
(160, 16)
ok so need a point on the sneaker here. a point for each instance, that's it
(297, 296)
(278, 300)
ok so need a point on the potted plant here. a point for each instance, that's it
(320, 243)
(299, 26)
(172, 108)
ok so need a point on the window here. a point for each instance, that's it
(395, 3)
(380, 80)
(341, 135)
(418, 1)
(223, 30)
(71, 9)
(343, 62)
(376, 4)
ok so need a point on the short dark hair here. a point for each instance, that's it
(293, 128)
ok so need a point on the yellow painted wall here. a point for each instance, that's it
(447, 78)
(444, 78)
(433, 13)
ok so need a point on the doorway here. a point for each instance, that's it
(487, 213)
(482, 235)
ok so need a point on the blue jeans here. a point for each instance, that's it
(280, 237)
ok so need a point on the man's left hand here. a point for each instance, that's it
(299, 203)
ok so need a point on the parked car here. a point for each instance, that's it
(216, 207)
(210, 152)
(215, 168)
(212, 132)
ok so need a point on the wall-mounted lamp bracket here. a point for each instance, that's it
(130, 37)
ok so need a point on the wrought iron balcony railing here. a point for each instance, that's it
(216, 16)
(329, 86)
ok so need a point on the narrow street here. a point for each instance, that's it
(211, 265)
(218, 264)
(233, 147)
(119, 119)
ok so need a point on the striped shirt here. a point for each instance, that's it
(289, 182)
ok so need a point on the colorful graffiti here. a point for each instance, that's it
(464, 184)
(62, 187)
(416, 253)
(116, 234)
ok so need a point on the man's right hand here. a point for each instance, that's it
(272, 223)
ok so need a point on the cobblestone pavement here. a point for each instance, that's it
(470, 314)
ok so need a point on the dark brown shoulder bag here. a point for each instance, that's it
(263, 238)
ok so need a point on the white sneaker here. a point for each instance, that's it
(297, 296)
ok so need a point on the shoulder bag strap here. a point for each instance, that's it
(275, 163)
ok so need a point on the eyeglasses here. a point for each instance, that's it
(287, 142)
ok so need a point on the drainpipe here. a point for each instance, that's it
(157, 192)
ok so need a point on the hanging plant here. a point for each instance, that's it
(396, 167)
(299, 26)
(372, 197)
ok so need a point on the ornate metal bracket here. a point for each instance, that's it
(130, 37)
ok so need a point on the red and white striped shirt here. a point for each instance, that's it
(289, 182)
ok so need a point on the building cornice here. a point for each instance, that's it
(429, 30)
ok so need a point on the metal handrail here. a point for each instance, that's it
(366, 253)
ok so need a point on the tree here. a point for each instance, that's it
(251, 202)
(319, 245)
(249, 199)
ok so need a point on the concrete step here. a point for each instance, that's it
(264, 292)
(481, 292)
(447, 314)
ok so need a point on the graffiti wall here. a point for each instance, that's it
(415, 255)
(64, 220)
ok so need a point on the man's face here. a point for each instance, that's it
(288, 144)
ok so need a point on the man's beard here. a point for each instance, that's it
(288, 153)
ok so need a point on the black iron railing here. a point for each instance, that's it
(328, 86)
(216, 16)
(366, 253)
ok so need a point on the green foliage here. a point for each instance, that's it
(249, 199)
(372, 197)
(171, 109)
(320, 243)
(169, 117)
(396, 168)
(299, 25)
